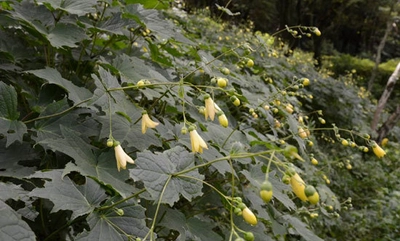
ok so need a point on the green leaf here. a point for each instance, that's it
(9, 190)
(153, 20)
(108, 225)
(88, 161)
(8, 102)
(151, 4)
(156, 171)
(14, 130)
(79, 8)
(75, 93)
(12, 227)
(35, 18)
(189, 229)
(66, 195)
(301, 228)
(115, 24)
(66, 35)
(201, 230)
(12, 155)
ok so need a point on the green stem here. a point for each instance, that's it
(57, 114)
(269, 165)
(151, 231)
(236, 156)
(49, 237)
(122, 200)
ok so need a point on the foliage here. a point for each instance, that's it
(79, 78)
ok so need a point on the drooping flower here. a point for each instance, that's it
(121, 157)
(249, 216)
(298, 186)
(223, 121)
(210, 107)
(147, 122)
(378, 151)
(197, 142)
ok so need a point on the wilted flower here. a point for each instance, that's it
(122, 157)
(210, 108)
(378, 151)
(197, 142)
(147, 122)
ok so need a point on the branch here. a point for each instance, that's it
(389, 124)
(385, 96)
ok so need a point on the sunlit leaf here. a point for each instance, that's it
(12, 227)
(156, 171)
(75, 7)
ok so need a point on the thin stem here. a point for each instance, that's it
(57, 114)
(208, 184)
(236, 156)
(122, 200)
(157, 210)
(269, 165)
(232, 196)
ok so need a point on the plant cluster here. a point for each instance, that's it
(122, 122)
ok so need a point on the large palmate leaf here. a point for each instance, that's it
(156, 171)
(55, 115)
(66, 35)
(111, 225)
(9, 190)
(9, 125)
(52, 76)
(301, 228)
(79, 8)
(154, 21)
(89, 161)
(12, 227)
(151, 4)
(40, 22)
(190, 229)
(12, 155)
(66, 195)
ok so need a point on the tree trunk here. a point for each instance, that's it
(389, 26)
(385, 96)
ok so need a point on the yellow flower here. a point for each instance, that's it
(122, 157)
(384, 142)
(147, 122)
(298, 186)
(378, 151)
(302, 133)
(249, 216)
(223, 121)
(210, 107)
(197, 142)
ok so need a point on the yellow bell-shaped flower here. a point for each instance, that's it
(147, 122)
(121, 157)
(378, 151)
(210, 107)
(196, 141)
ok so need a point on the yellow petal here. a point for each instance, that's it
(210, 108)
(147, 123)
(121, 157)
(298, 187)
